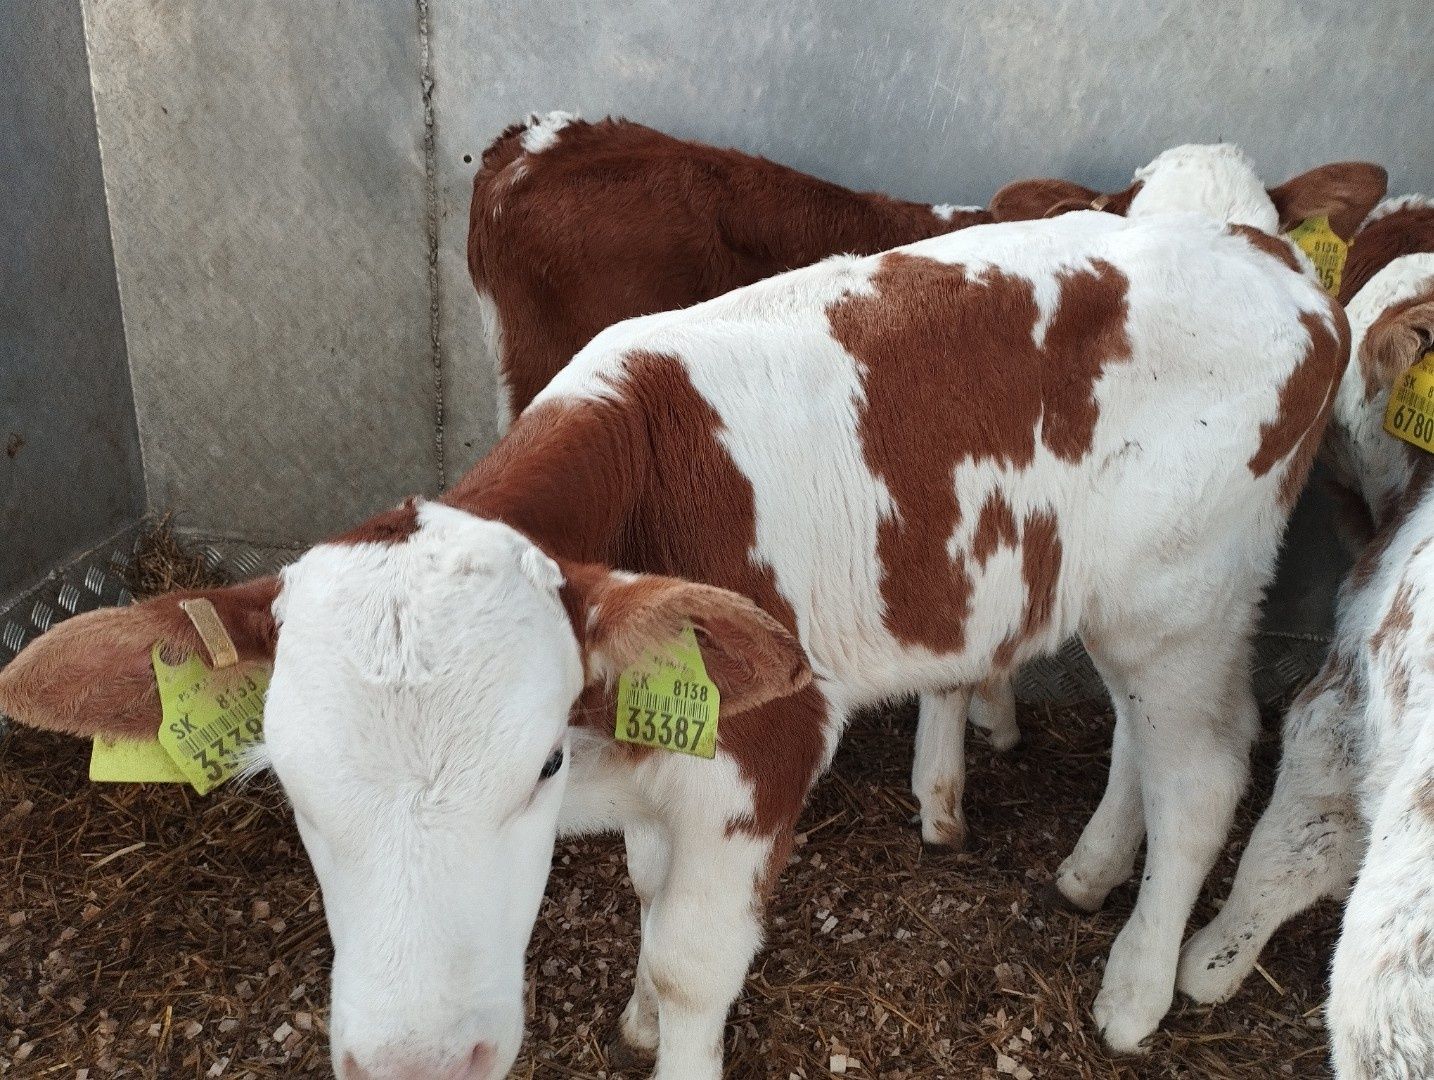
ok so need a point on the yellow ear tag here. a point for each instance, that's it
(1325, 249)
(1410, 415)
(667, 701)
(132, 761)
(210, 717)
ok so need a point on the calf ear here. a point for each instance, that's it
(1027, 200)
(1395, 340)
(749, 655)
(93, 675)
(1345, 192)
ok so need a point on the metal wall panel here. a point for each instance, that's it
(267, 191)
(928, 99)
(69, 456)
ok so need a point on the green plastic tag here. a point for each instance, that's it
(210, 717)
(668, 702)
(1325, 249)
(132, 761)
(1410, 413)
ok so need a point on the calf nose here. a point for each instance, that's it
(479, 1066)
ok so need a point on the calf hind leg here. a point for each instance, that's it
(993, 710)
(1307, 846)
(938, 766)
(1190, 718)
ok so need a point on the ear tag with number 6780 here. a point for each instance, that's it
(668, 702)
(1410, 415)
(211, 716)
(1325, 249)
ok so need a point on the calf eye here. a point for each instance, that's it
(552, 765)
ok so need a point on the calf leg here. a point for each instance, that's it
(1381, 1003)
(993, 710)
(1306, 846)
(938, 766)
(1104, 856)
(647, 862)
(1190, 721)
(699, 936)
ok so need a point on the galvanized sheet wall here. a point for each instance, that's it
(69, 456)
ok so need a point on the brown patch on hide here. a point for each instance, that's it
(1408, 231)
(1274, 246)
(932, 335)
(1304, 404)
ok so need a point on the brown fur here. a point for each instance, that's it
(617, 220)
(995, 528)
(93, 674)
(966, 339)
(390, 527)
(1398, 233)
(1401, 334)
(1041, 571)
(1343, 191)
(1305, 402)
(1026, 200)
(1274, 246)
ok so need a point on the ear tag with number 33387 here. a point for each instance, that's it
(667, 700)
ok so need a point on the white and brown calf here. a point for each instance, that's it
(1354, 802)
(575, 226)
(924, 466)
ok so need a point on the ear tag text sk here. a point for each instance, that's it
(1325, 249)
(668, 702)
(210, 716)
(1410, 415)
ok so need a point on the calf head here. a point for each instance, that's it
(1217, 180)
(1391, 324)
(418, 719)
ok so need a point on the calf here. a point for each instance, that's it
(1356, 783)
(924, 466)
(575, 226)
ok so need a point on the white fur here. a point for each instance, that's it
(946, 211)
(542, 131)
(1218, 180)
(1394, 205)
(408, 721)
(493, 342)
(1355, 781)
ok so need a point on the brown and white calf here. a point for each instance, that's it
(1354, 803)
(924, 466)
(575, 226)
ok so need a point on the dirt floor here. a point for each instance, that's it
(149, 932)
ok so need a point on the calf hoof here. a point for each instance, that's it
(943, 833)
(1051, 897)
(624, 1057)
(1211, 968)
(1004, 740)
(1129, 1007)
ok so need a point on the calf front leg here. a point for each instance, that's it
(647, 862)
(1307, 845)
(938, 766)
(700, 933)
